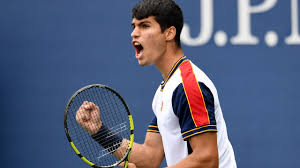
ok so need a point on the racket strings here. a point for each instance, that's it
(112, 114)
(84, 140)
(116, 130)
(80, 136)
(113, 147)
(115, 119)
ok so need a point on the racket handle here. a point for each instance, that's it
(126, 164)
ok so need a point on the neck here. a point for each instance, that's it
(168, 60)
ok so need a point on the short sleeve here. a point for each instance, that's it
(152, 127)
(195, 109)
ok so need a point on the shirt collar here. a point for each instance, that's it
(174, 68)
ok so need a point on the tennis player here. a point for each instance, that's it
(188, 128)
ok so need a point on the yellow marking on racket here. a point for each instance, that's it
(126, 164)
(75, 149)
(131, 122)
(131, 140)
(86, 161)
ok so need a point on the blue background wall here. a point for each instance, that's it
(51, 48)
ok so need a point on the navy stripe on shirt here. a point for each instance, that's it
(182, 111)
(152, 127)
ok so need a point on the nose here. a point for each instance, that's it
(135, 33)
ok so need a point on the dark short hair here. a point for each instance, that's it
(166, 12)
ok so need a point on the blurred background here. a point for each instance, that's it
(50, 48)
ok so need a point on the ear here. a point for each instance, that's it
(170, 33)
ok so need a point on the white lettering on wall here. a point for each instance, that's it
(245, 10)
(244, 34)
(206, 29)
(294, 38)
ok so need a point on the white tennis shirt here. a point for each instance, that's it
(185, 106)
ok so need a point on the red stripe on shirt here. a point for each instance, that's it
(194, 95)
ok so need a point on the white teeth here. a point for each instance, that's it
(137, 43)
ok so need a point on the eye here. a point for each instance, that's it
(145, 26)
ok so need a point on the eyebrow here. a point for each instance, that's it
(143, 22)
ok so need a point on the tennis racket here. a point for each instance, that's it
(112, 142)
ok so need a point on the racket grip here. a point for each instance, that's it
(108, 139)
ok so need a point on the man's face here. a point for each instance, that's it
(148, 40)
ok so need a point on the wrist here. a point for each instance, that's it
(107, 139)
(95, 129)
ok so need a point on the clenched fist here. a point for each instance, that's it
(88, 116)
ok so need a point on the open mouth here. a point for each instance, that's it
(138, 48)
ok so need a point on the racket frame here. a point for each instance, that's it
(127, 154)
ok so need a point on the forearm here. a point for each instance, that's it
(197, 160)
(141, 155)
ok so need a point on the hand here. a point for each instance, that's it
(88, 116)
